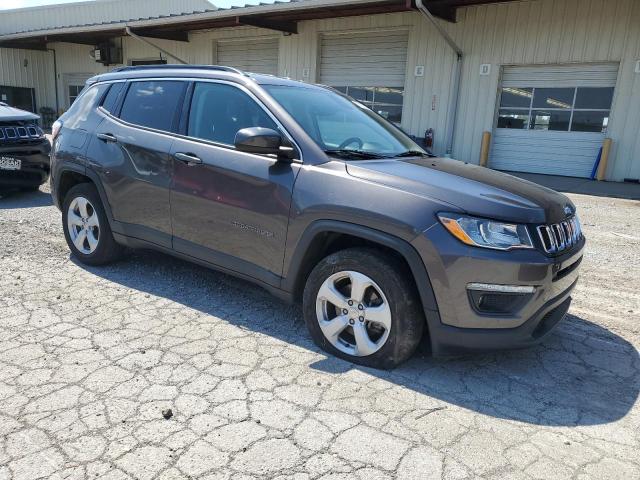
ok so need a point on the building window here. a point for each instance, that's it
(74, 92)
(385, 101)
(581, 109)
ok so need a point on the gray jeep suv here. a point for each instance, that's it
(313, 196)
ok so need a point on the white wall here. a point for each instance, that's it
(526, 32)
(37, 74)
(550, 31)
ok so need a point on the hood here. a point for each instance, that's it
(475, 190)
(10, 114)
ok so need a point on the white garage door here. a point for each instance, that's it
(553, 119)
(367, 66)
(256, 55)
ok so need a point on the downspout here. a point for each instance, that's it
(144, 40)
(55, 78)
(457, 75)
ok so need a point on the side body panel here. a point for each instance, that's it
(136, 173)
(70, 146)
(233, 209)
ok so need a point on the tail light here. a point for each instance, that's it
(55, 129)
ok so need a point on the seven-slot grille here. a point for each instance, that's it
(19, 133)
(560, 236)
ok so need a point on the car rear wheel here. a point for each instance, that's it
(86, 227)
(360, 306)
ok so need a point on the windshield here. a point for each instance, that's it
(341, 126)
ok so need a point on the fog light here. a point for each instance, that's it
(492, 287)
(492, 299)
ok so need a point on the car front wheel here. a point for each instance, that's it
(360, 306)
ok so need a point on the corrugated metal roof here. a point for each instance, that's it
(101, 12)
(199, 19)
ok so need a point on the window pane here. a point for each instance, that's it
(392, 96)
(111, 99)
(553, 97)
(218, 111)
(393, 113)
(80, 109)
(590, 122)
(335, 122)
(362, 94)
(516, 97)
(342, 89)
(517, 119)
(152, 104)
(550, 120)
(596, 98)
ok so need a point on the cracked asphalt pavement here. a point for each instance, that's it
(91, 359)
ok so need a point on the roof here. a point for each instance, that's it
(48, 17)
(279, 15)
(194, 71)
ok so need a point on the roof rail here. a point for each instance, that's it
(219, 68)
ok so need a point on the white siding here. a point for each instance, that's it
(38, 73)
(550, 32)
(518, 33)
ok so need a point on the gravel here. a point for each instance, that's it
(91, 359)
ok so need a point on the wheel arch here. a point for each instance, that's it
(72, 175)
(324, 237)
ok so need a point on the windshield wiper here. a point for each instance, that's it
(353, 153)
(411, 153)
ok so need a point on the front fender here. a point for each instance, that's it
(296, 265)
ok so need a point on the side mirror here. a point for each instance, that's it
(264, 141)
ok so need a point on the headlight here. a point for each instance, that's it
(481, 232)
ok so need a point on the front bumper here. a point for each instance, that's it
(458, 325)
(35, 165)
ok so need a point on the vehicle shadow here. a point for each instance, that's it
(15, 199)
(582, 374)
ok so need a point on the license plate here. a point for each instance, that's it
(8, 163)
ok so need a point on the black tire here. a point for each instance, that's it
(392, 276)
(107, 250)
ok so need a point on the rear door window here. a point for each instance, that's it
(153, 104)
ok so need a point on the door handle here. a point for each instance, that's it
(107, 137)
(188, 158)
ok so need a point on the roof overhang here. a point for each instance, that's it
(279, 16)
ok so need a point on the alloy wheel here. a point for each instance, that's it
(83, 225)
(353, 313)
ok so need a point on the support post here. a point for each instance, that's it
(484, 150)
(604, 159)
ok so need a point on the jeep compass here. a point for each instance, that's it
(24, 150)
(317, 198)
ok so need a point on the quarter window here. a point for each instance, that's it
(152, 104)
(581, 109)
(385, 101)
(111, 99)
(219, 111)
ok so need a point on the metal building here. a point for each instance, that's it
(549, 79)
